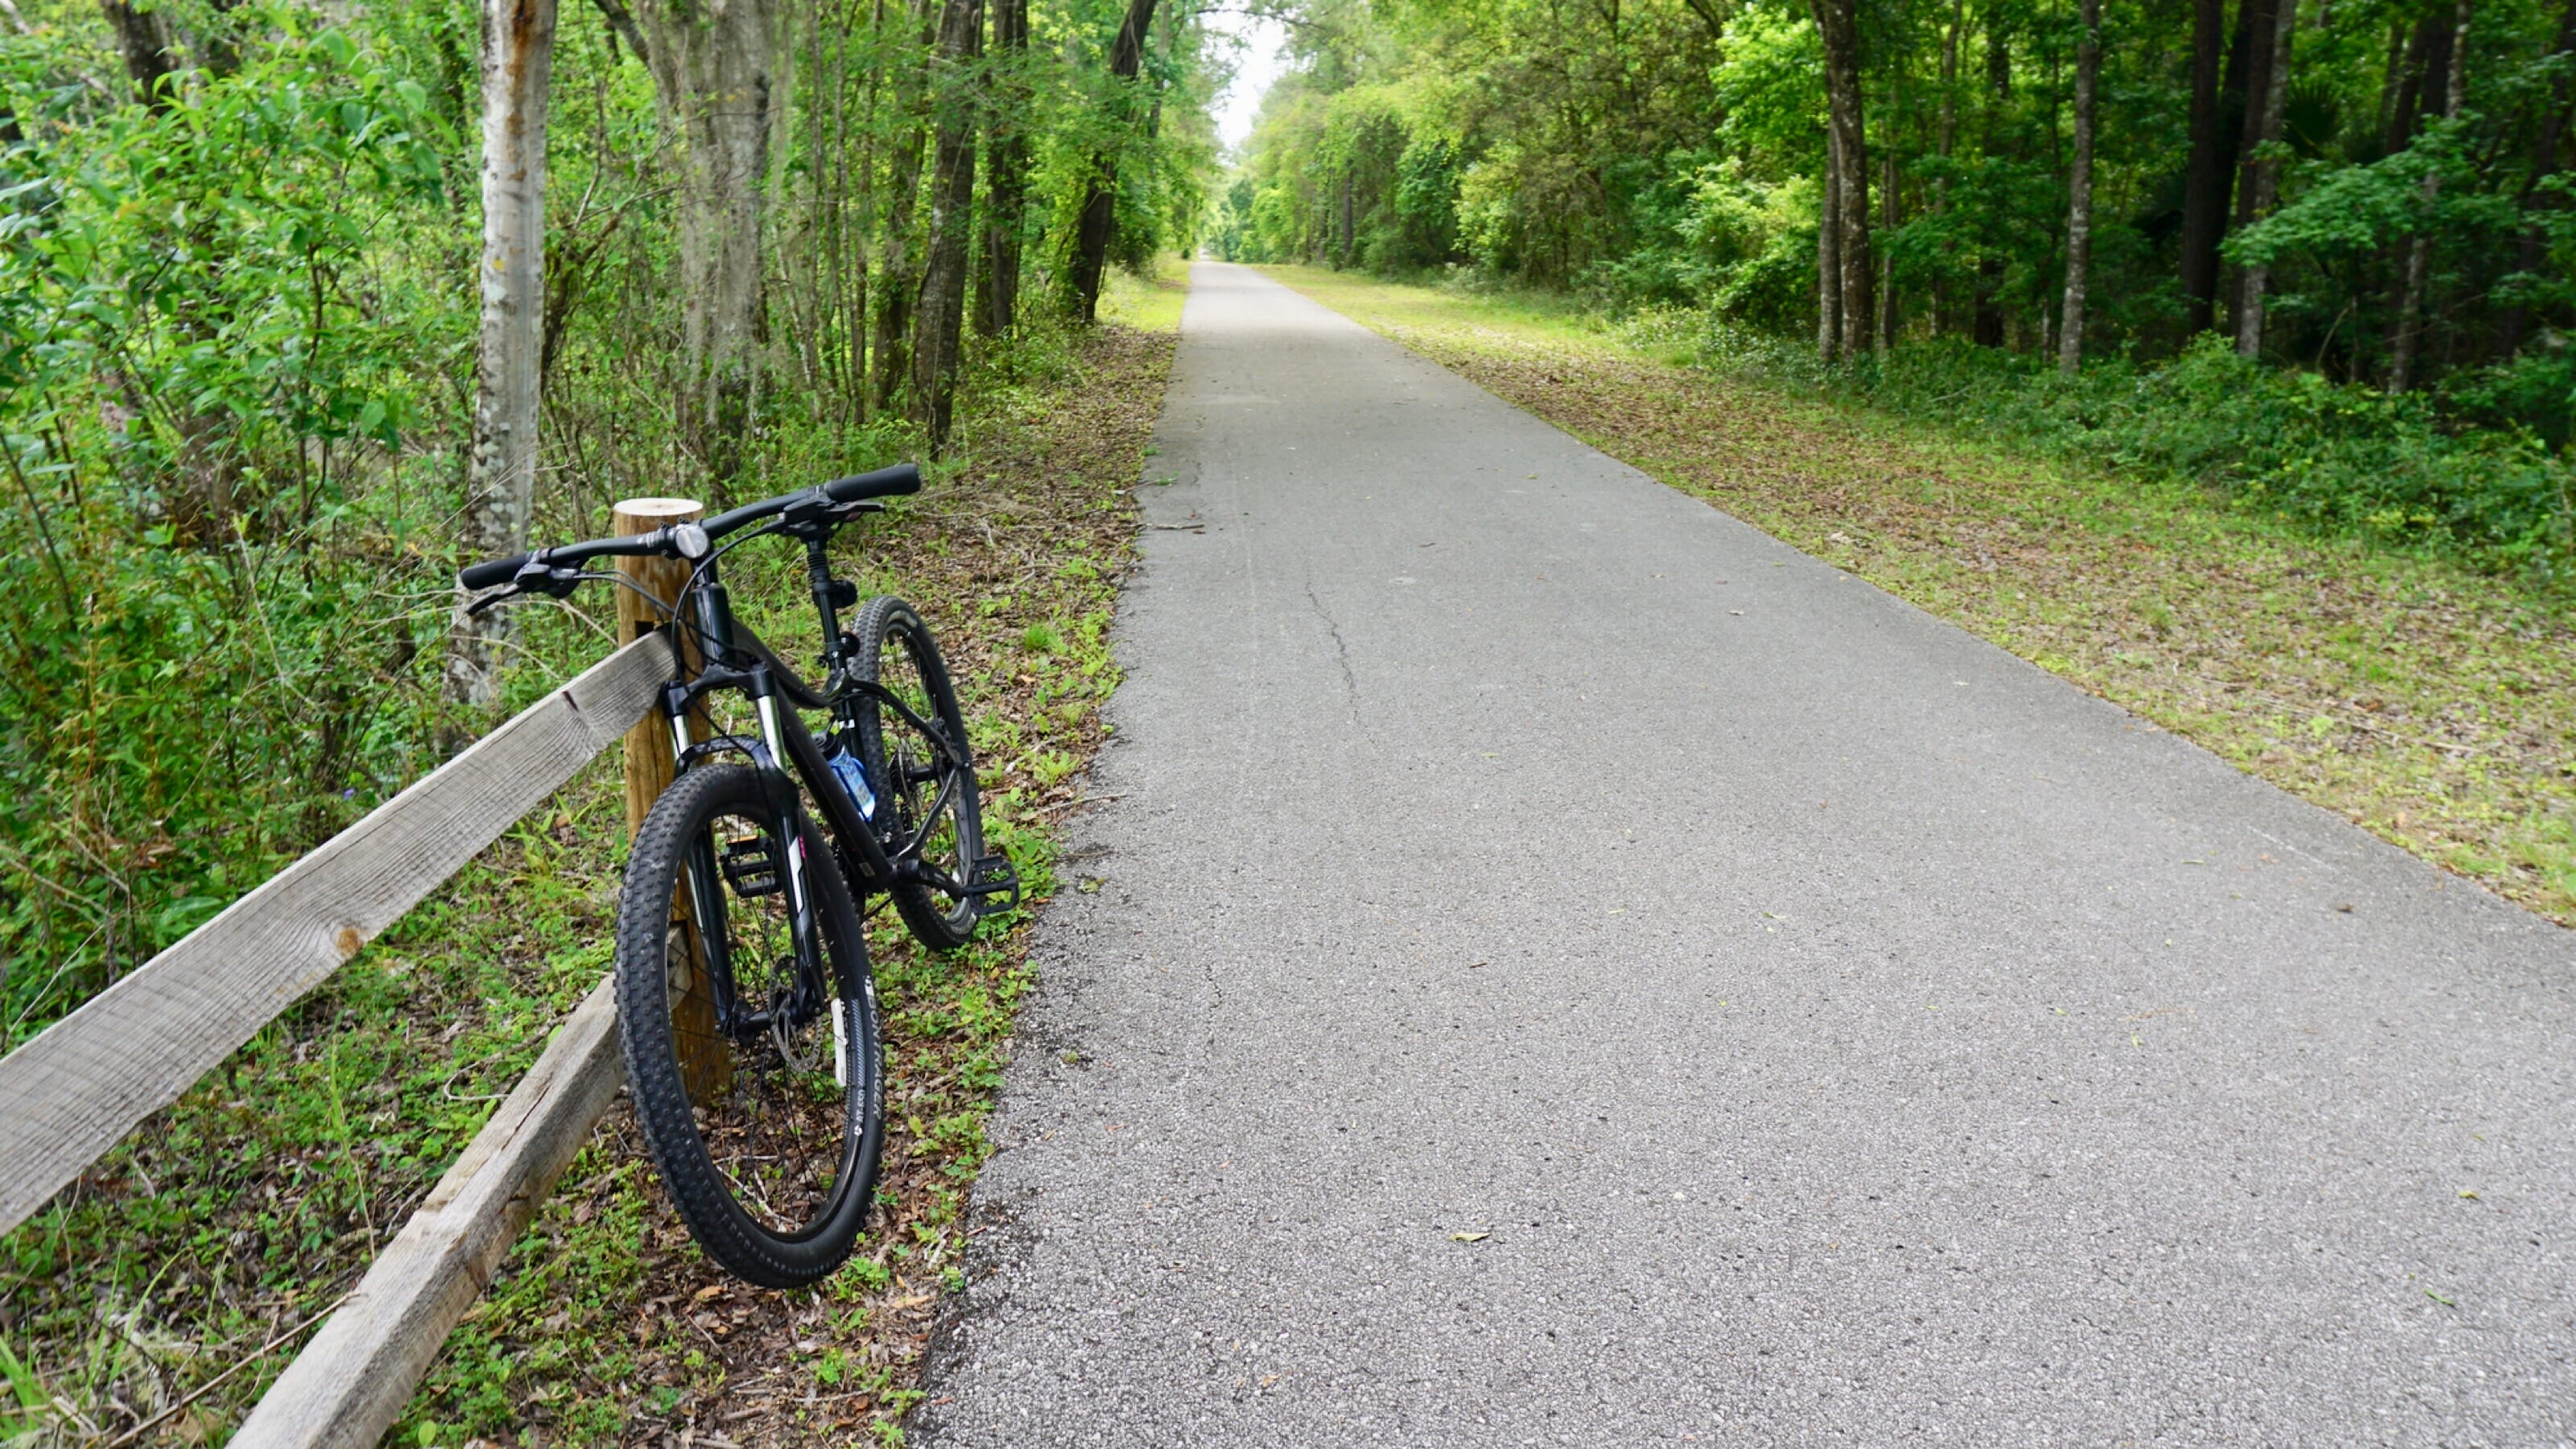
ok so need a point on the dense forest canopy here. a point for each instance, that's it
(256, 406)
(2373, 192)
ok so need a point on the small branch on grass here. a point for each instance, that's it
(210, 1385)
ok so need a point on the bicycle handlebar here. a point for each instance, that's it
(900, 479)
(891, 482)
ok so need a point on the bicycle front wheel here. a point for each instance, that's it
(918, 755)
(756, 1070)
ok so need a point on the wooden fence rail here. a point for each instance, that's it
(350, 1383)
(78, 1087)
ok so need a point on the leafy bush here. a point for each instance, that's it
(209, 353)
(2338, 458)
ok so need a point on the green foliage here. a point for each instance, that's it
(2340, 458)
(214, 335)
(1666, 158)
(237, 320)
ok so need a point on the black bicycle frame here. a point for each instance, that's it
(739, 660)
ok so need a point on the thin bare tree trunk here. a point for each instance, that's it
(718, 69)
(518, 73)
(2079, 192)
(2204, 187)
(1100, 201)
(2263, 176)
(2419, 253)
(1006, 187)
(1945, 139)
(898, 280)
(1891, 211)
(939, 315)
(1839, 22)
(2249, 81)
(1829, 259)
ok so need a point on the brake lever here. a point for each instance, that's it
(534, 577)
(493, 600)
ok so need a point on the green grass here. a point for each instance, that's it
(2428, 701)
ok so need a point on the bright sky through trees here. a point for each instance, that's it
(1261, 50)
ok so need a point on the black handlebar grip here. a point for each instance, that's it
(493, 571)
(883, 483)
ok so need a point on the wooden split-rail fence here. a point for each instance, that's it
(81, 1085)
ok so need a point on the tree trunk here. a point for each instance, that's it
(2253, 18)
(1343, 256)
(1829, 260)
(1006, 188)
(2204, 198)
(1891, 213)
(150, 45)
(1100, 201)
(898, 284)
(2263, 174)
(1986, 328)
(2397, 84)
(1839, 23)
(2079, 191)
(939, 317)
(717, 70)
(518, 71)
(1945, 138)
(2408, 340)
(2533, 252)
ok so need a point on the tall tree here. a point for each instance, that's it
(717, 72)
(2204, 184)
(940, 314)
(1006, 168)
(1100, 196)
(2079, 191)
(898, 285)
(1988, 325)
(2407, 339)
(1838, 21)
(1829, 257)
(2263, 173)
(518, 75)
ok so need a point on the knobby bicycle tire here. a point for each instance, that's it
(893, 751)
(767, 1142)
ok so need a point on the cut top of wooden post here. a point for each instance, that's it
(643, 515)
(648, 745)
(704, 1062)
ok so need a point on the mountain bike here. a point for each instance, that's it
(745, 1003)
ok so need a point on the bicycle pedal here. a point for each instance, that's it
(750, 866)
(996, 886)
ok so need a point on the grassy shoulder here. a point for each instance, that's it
(2431, 704)
(155, 1299)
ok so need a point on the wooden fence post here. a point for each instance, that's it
(705, 1063)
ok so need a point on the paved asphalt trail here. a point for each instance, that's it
(1840, 1030)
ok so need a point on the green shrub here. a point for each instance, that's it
(2338, 458)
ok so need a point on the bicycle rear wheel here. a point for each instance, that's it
(758, 1081)
(925, 776)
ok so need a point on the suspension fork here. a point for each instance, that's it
(811, 968)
